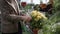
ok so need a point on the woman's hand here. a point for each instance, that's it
(26, 18)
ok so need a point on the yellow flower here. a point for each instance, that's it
(39, 17)
(34, 13)
(38, 12)
(43, 16)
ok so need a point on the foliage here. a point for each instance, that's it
(36, 7)
(51, 26)
(29, 6)
(56, 5)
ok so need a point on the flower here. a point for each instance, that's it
(43, 16)
(37, 17)
(34, 13)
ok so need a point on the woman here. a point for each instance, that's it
(10, 17)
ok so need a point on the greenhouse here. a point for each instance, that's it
(29, 16)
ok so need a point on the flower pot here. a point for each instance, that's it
(35, 31)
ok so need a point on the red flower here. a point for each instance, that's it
(23, 4)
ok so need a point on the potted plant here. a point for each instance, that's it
(37, 19)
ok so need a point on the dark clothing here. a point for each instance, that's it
(19, 28)
(9, 33)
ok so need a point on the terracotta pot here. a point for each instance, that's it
(35, 31)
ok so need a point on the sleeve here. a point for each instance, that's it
(9, 16)
(7, 13)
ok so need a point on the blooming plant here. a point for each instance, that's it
(37, 19)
